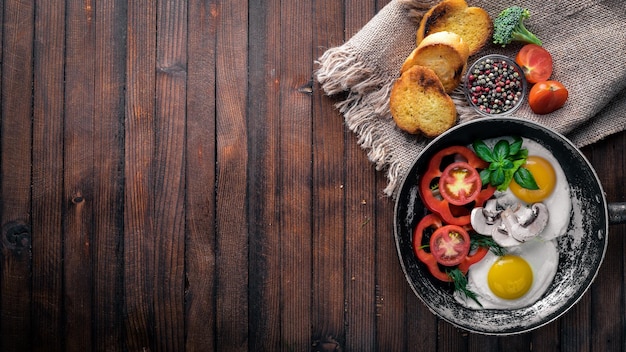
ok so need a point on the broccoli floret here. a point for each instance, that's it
(509, 27)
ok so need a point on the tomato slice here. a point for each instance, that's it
(546, 97)
(434, 224)
(460, 183)
(435, 202)
(430, 222)
(450, 244)
(536, 62)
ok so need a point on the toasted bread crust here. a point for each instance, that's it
(445, 53)
(473, 24)
(419, 103)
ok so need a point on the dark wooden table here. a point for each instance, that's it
(172, 179)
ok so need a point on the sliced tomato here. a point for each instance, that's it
(433, 224)
(460, 183)
(536, 62)
(430, 222)
(435, 202)
(546, 97)
(450, 244)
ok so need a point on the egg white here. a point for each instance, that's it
(543, 258)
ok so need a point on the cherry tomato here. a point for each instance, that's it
(432, 223)
(460, 183)
(450, 245)
(450, 213)
(536, 63)
(546, 97)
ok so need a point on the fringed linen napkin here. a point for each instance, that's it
(586, 38)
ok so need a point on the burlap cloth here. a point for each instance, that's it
(586, 38)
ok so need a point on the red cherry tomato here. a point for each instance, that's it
(450, 245)
(536, 63)
(460, 183)
(450, 213)
(546, 97)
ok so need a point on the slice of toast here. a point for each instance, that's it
(445, 53)
(473, 24)
(419, 104)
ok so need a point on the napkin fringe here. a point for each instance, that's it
(342, 70)
(365, 108)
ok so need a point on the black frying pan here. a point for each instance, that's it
(582, 249)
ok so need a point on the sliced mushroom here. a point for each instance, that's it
(491, 212)
(502, 234)
(485, 219)
(524, 223)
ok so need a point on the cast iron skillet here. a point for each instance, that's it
(582, 248)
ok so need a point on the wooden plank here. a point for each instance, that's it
(108, 149)
(328, 189)
(360, 224)
(232, 155)
(576, 329)
(139, 173)
(78, 186)
(201, 178)
(15, 175)
(608, 293)
(47, 188)
(169, 182)
(292, 79)
(264, 125)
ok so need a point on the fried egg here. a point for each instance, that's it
(515, 280)
(559, 200)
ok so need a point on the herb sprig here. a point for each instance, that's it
(486, 241)
(505, 164)
(460, 284)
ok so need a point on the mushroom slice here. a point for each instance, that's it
(526, 222)
(485, 219)
(502, 233)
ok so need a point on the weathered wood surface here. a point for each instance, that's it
(171, 179)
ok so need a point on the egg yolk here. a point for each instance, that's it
(545, 177)
(510, 277)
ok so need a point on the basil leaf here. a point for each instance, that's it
(501, 150)
(497, 177)
(525, 179)
(507, 164)
(508, 174)
(516, 146)
(483, 151)
(485, 175)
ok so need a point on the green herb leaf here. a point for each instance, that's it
(525, 179)
(504, 161)
(485, 175)
(507, 164)
(460, 284)
(483, 151)
(477, 240)
(516, 146)
(508, 174)
(501, 150)
(497, 177)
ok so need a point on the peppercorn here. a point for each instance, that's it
(494, 85)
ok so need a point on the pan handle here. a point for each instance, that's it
(617, 213)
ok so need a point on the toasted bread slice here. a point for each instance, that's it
(445, 53)
(419, 104)
(473, 24)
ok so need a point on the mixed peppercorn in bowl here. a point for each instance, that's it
(495, 85)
